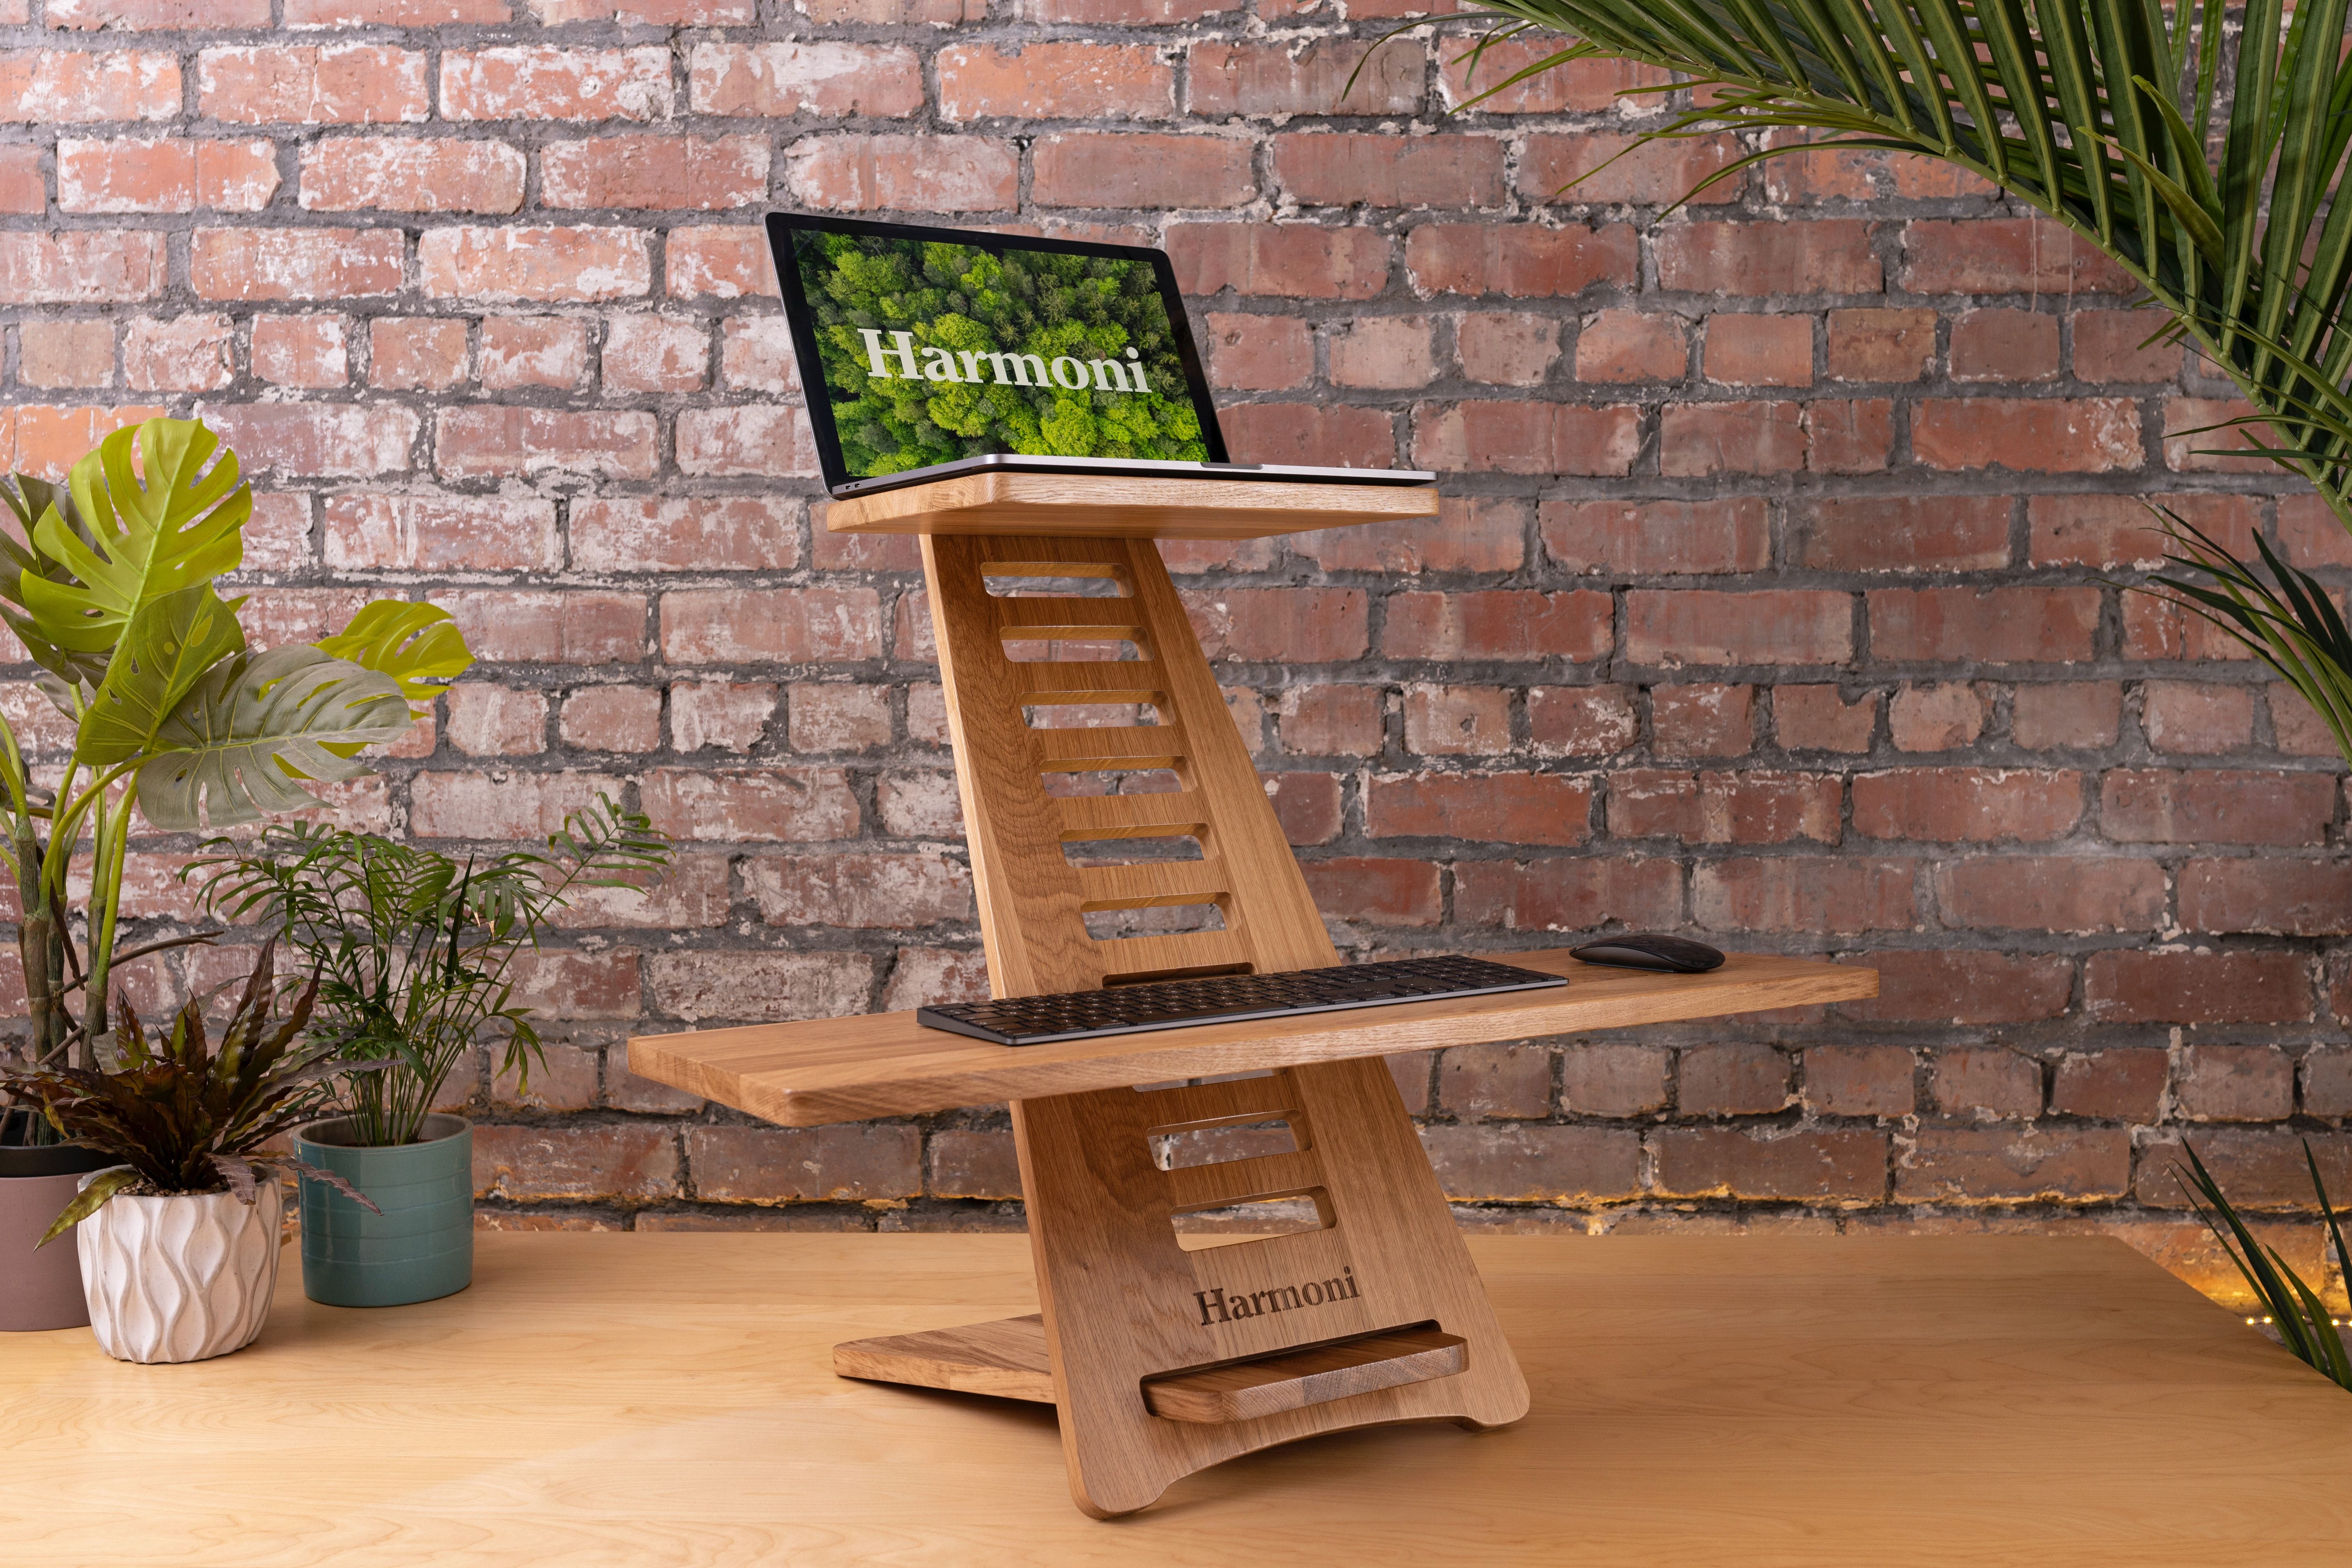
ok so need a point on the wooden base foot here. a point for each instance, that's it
(1006, 1358)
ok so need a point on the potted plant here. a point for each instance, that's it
(414, 954)
(178, 1234)
(109, 582)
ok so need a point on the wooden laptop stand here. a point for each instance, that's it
(1163, 1360)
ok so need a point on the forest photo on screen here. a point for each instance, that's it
(935, 351)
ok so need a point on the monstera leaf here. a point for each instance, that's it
(30, 499)
(169, 645)
(418, 645)
(138, 541)
(255, 724)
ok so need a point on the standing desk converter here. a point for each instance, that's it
(1161, 1360)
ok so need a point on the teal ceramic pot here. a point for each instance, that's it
(420, 1246)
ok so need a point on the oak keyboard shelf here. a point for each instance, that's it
(884, 1064)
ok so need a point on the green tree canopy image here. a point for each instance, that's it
(935, 351)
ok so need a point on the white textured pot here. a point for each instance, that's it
(182, 1277)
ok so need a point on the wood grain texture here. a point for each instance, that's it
(1006, 1359)
(1175, 508)
(845, 1069)
(1252, 1390)
(1769, 1400)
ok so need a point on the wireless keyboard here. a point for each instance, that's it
(1224, 999)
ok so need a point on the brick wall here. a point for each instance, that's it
(1772, 601)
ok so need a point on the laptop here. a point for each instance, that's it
(929, 352)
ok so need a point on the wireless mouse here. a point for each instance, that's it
(1649, 950)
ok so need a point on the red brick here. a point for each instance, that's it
(1904, 534)
(2004, 345)
(2066, 713)
(1723, 808)
(1875, 344)
(1997, 1084)
(1478, 1082)
(55, 86)
(1498, 808)
(1701, 720)
(418, 354)
(834, 718)
(1470, 533)
(1938, 717)
(441, 533)
(856, 1163)
(2116, 1085)
(1140, 169)
(759, 986)
(235, 176)
(1859, 1080)
(1563, 893)
(1967, 988)
(1848, 435)
(471, 805)
(1844, 1168)
(1690, 626)
(924, 173)
(1522, 261)
(1288, 77)
(1731, 1080)
(756, 353)
(1701, 439)
(1523, 1162)
(1996, 625)
(2198, 439)
(2310, 534)
(333, 264)
(300, 350)
(1330, 720)
(1259, 353)
(677, 173)
(627, 1161)
(2108, 347)
(2043, 893)
(1570, 169)
(399, 13)
(2004, 256)
(412, 175)
(1791, 894)
(50, 440)
(2282, 897)
(343, 84)
(1375, 891)
(65, 354)
(534, 263)
(1305, 625)
(2215, 807)
(2258, 1168)
(1526, 437)
(129, 175)
(187, 353)
(1613, 1080)
(1279, 259)
(864, 892)
(334, 440)
(919, 805)
(81, 266)
(2235, 1083)
(1820, 718)
(1335, 435)
(765, 804)
(728, 715)
(539, 83)
(1759, 351)
(2198, 986)
(22, 187)
(508, 625)
(1457, 721)
(471, 442)
(750, 439)
(1308, 805)
(694, 533)
(1507, 348)
(787, 626)
(1658, 538)
(1820, 256)
(970, 1163)
(2159, 628)
(617, 719)
(1321, 169)
(2121, 530)
(1969, 805)
(1503, 622)
(1586, 86)
(1056, 81)
(534, 351)
(820, 77)
(2022, 1164)
(2197, 717)
(2036, 435)
(491, 720)
(1386, 352)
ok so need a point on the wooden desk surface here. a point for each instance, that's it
(884, 1064)
(630, 1399)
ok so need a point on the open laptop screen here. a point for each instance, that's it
(923, 346)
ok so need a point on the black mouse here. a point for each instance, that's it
(1649, 950)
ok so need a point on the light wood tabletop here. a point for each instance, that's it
(668, 1398)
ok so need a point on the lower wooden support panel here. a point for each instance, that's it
(1253, 1389)
(1006, 1358)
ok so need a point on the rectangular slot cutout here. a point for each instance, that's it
(1253, 1219)
(1071, 650)
(1054, 579)
(1131, 851)
(1197, 1082)
(1114, 781)
(1152, 919)
(1090, 715)
(1222, 1142)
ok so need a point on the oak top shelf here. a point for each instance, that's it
(1121, 506)
(884, 1064)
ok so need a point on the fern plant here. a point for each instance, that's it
(2099, 113)
(109, 584)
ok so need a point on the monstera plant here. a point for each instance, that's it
(2108, 116)
(111, 589)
